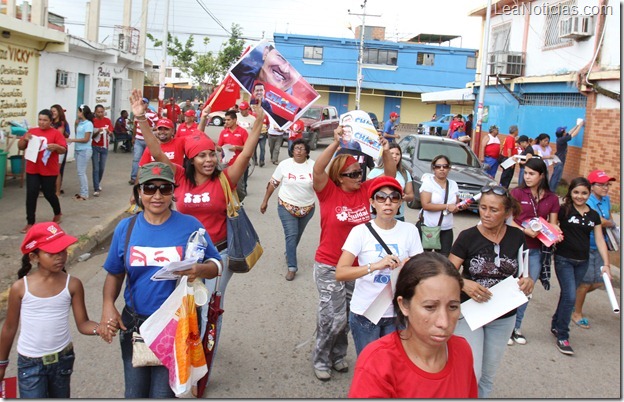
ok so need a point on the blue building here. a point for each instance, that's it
(395, 74)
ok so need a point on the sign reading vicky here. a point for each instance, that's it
(273, 83)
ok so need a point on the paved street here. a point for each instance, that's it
(269, 323)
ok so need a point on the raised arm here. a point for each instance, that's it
(203, 118)
(236, 171)
(576, 129)
(319, 175)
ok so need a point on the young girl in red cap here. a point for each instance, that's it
(41, 300)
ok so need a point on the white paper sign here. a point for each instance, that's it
(380, 305)
(509, 162)
(228, 152)
(168, 272)
(35, 145)
(506, 296)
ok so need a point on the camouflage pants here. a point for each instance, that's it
(332, 318)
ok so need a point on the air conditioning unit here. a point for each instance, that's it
(506, 64)
(123, 43)
(576, 27)
(62, 78)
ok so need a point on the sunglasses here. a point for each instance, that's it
(443, 166)
(498, 190)
(381, 197)
(356, 174)
(150, 189)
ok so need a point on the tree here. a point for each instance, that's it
(232, 49)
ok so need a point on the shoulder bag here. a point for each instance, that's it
(379, 239)
(243, 244)
(430, 235)
(142, 355)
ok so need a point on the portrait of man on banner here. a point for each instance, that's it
(284, 89)
(360, 134)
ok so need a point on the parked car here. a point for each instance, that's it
(216, 118)
(418, 152)
(439, 126)
(375, 121)
(320, 122)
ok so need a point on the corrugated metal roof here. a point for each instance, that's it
(375, 85)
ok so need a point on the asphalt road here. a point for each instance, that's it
(268, 331)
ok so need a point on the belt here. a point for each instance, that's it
(221, 246)
(52, 357)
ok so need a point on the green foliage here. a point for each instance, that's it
(232, 49)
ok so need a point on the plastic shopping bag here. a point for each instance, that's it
(172, 333)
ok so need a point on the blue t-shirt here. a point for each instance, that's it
(83, 128)
(389, 128)
(150, 248)
(603, 207)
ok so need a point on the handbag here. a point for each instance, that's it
(244, 249)
(430, 235)
(142, 355)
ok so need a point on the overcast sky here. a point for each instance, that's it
(261, 18)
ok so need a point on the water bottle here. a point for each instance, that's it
(196, 246)
(465, 203)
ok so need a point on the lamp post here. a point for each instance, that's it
(360, 77)
(484, 76)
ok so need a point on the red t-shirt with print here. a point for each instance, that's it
(205, 202)
(103, 140)
(184, 130)
(52, 167)
(238, 136)
(174, 150)
(340, 212)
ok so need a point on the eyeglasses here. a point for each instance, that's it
(603, 185)
(302, 149)
(381, 197)
(443, 166)
(498, 190)
(356, 174)
(150, 189)
(497, 258)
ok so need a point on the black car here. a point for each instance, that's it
(467, 171)
(374, 119)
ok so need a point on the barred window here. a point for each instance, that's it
(556, 100)
(553, 18)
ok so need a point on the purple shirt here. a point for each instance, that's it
(530, 209)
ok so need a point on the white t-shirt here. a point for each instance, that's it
(404, 241)
(378, 171)
(245, 122)
(296, 179)
(437, 197)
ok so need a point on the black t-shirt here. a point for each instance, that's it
(562, 147)
(528, 150)
(576, 230)
(479, 255)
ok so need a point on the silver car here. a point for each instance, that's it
(466, 169)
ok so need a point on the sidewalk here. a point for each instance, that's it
(91, 221)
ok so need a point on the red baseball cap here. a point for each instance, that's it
(197, 142)
(384, 181)
(164, 123)
(394, 114)
(46, 236)
(190, 113)
(599, 176)
(243, 105)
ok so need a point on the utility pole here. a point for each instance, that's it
(163, 64)
(476, 143)
(360, 76)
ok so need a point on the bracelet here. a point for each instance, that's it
(4, 363)
(95, 329)
(369, 269)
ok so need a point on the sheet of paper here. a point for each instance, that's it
(34, 146)
(167, 272)
(228, 152)
(378, 307)
(509, 162)
(506, 296)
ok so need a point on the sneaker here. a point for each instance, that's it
(517, 336)
(510, 342)
(96, 193)
(564, 347)
(323, 375)
(100, 188)
(131, 182)
(342, 366)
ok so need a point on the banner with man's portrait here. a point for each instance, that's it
(359, 133)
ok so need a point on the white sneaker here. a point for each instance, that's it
(510, 342)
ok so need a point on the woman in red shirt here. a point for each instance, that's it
(41, 174)
(491, 150)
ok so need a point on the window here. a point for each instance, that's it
(457, 153)
(425, 59)
(178, 75)
(553, 18)
(471, 62)
(380, 56)
(499, 42)
(313, 52)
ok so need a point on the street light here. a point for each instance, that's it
(360, 77)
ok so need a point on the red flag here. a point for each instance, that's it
(225, 96)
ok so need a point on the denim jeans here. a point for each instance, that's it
(556, 176)
(365, 332)
(262, 145)
(535, 267)
(82, 160)
(137, 152)
(36, 380)
(226, 275)
(99, 162)
(488, 345)
(493, 163)
(570, 273)
(141, 382)
(293, 229)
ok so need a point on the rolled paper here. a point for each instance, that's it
(610, 292)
